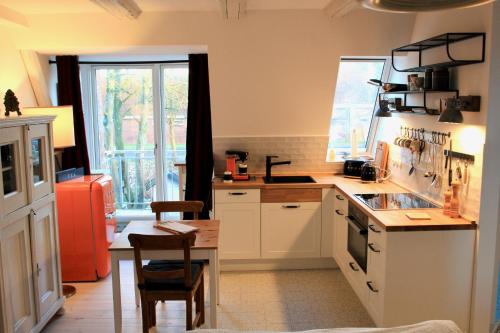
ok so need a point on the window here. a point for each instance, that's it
(354, 103)
(136, 117)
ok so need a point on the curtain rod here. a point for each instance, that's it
(128, 62)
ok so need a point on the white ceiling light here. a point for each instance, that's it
(404, 6)
(120, 8)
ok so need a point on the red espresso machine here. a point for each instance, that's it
(86, 217)
(239, 171)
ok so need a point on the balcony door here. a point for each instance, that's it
(136, 119)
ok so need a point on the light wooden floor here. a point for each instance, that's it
(268, 300)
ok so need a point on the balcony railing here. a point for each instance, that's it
(134, 177)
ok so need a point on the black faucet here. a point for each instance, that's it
(270, 164)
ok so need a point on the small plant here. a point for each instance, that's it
(11, 103)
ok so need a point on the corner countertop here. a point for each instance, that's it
(390, 220)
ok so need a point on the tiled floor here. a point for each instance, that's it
(268, 300)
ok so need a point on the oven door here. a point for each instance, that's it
(357, 240)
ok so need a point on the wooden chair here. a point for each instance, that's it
(172, 281)
(159, 207)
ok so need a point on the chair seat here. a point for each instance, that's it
(173, 284)
(175, 262)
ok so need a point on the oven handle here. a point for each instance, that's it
(355, 225)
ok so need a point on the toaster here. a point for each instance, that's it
(352, 168)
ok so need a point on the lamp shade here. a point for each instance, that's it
(451, 113)
(383, 109)
(64, 134)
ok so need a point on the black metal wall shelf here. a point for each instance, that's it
(442, 40)
(415, 92)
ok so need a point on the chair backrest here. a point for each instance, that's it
(162, 242)
(159, 207)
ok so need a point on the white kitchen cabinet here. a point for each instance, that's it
(340, 253)
(45, 259)
(16, 272)
(327, 222)
(291, 229)
(30, 284)
(239, 235)
(239, 215)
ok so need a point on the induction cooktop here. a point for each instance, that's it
(387, 201)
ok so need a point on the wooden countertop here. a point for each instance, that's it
(390, 220)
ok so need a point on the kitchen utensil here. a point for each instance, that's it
(450, 171)
(368, 172)
(412, 169)
(466, 173)
(459, 171)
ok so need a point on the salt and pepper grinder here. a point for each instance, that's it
(455, 200)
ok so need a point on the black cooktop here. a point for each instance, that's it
(386, 201)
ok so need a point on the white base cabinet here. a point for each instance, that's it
(239, 213)
(291, 230)
(30, 279)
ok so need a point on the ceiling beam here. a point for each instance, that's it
(233, 9)
(340, 8)
(12, 18)
(120, 8)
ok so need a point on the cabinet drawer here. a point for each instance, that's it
(291, 195)
(376, 234)
(237, 196)
(375, 298)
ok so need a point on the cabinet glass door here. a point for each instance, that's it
(12, 182)
(8, 169)
(40, 161)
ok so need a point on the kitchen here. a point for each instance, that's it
(273, 87)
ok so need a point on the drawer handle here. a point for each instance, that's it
(237, 193)
(370, 246)
(341, 198)
(290, 206)
(339, 212)
(370, 285)
(351, 264)
(372, 228)
(33, 212)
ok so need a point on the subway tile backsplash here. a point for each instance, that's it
(307, 153)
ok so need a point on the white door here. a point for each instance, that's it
(239, 230)
(45, 258)
(39, 161)
(291, 230)
(13, 193)
(16, 270)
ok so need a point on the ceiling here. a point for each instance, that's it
(29, 7)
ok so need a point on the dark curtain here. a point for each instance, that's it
(199, 152)
(69, 93)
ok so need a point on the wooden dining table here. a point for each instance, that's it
(205, 247)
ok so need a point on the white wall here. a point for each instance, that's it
(271, 73)
(470, 80)
(488, 257)
(12, 72)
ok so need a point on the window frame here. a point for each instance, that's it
(340, 153)
(90, 109)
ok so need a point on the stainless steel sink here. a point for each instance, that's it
(289, 179)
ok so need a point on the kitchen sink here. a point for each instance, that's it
(289, 179)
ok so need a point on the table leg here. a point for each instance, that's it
(117, 302)
(217, 272)
(136, 289)
(212, 267)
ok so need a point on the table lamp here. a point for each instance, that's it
(64, 134)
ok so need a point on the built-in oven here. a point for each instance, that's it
(357, 235)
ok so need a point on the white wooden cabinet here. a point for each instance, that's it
(17, 285)
(340, 253)
(327, 222)
(44, 249)
(291, 229)
(239, 214)
(30, 284)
